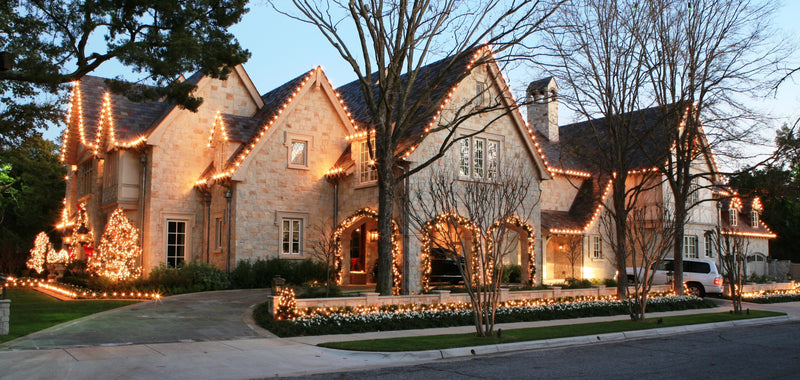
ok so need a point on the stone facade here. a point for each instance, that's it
(5, 314)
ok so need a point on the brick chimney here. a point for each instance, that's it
(542, 99)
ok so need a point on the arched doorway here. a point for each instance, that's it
(356, 241)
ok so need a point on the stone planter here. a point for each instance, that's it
(56, 270)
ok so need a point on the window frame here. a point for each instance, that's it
(596, 252)
(176, 261)
(290, 139)
(694, 193)
(686, 251)
(302, 217)
(754, 219)
(219, 232)
(367, 173)
(733, 217)
(470, 164)
(709, 243)
(480, 93)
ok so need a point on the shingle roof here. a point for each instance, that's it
(240, 128)
(581, 144)
(430, 89)
(583, 206)
(131, 119)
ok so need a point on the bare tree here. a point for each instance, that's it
(650, 231)
(323, 249)
(705, 60)
(598, 57)
(573, 252)
(473, 223)
(387, 44)
(733, 250)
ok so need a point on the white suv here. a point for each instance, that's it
(699, 275)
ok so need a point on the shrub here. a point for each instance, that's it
(574, 283)
(259, 273)
(512, 274)
(192, 277)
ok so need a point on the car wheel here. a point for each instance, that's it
(696, 290)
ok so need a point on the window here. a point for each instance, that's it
(480, 93)
(754, 215)
(291, 232)
(218, 233)
(297, 147)
(479, 158)
(690, 247)
(694, 193)
(709, 245)
(299, 154)
(176, 243)
(597, 247)
(733, 217)
(86, 173)
(110, 170)
(366, 165)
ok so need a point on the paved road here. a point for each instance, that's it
(755, 352)
(191, 317)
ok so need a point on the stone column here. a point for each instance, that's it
(5, 314)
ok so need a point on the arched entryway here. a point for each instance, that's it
(521, 244)
(356, 240)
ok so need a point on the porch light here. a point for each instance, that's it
(373, 235)
(83, 235)
(277, 285)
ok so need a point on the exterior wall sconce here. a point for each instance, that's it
(373, 235)
(83, 235)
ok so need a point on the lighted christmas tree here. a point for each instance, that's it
(61, 256)
(119, 251)
(82, 221)
(41, 249)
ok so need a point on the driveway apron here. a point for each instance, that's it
(193, 317)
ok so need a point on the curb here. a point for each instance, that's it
(460, 352)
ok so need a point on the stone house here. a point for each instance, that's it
(576, 243)
(253, 175)
(257, 176)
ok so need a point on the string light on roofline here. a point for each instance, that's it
(245, 150)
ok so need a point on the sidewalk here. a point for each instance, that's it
(268, 357)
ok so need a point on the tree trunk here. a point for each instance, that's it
(386, 185)
(620, 227)
(677, 252)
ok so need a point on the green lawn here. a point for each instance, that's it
(535, 333)
(32, 311)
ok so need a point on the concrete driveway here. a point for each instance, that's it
(194, 317)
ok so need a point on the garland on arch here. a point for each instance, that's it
(397, 277)
(515, 221)
(425, 251)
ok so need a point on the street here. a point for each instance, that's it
(752, 352)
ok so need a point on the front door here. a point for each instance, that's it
(358, 254)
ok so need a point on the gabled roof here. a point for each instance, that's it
(580, 142)
(430, 89)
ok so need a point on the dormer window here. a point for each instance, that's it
(754, 215)
(733, 217)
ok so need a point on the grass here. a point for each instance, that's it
(435, 342)
(32, 311)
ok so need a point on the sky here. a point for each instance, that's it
(283, 48)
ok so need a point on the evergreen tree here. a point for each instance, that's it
(117, 257)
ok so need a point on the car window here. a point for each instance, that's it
(696, 267)
(665, 265)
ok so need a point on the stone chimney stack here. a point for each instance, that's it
(542, 99)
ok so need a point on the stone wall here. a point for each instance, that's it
(5, 314)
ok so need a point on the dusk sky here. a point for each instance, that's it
(283, 48)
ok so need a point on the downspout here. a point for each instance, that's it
(228, 196)
(143, 161)
(207, 199)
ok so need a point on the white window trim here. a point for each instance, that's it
(709, 245)
(279, 217)
(357, 150)
(185, 240)
(487, 139)
(481, 91)
(754, 218)
(596, 247)
(733, 217)
(291, 137)
(686, 245)
(187, 217)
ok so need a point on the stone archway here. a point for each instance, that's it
(517, 223)
(397, 277)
